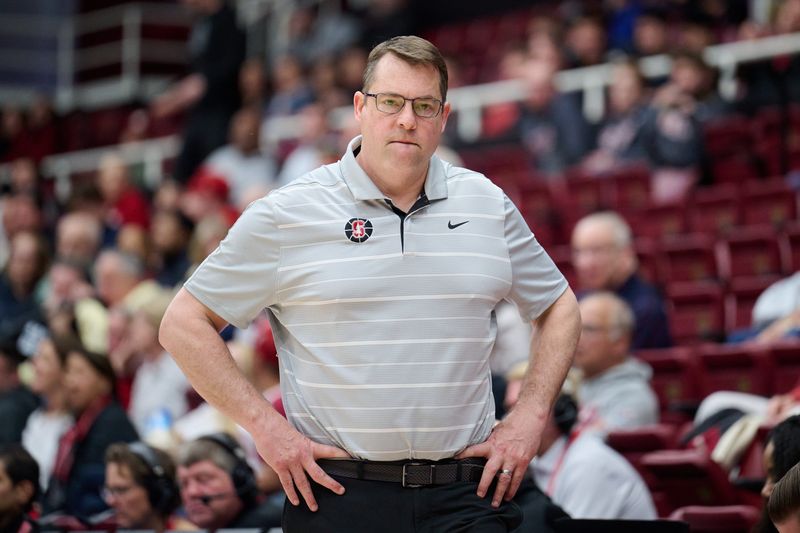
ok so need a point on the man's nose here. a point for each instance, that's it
(406, 117)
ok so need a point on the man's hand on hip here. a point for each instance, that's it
(293, 458)
(508, 452)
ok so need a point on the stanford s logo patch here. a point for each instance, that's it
(358, 229)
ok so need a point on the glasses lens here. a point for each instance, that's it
(390, 103)
(426, 107)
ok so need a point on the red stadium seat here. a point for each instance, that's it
(562, 257)
(785, 360)
(585, 194)
(751, 252)
(733, 367)
(647, 254)
(718, 519)
(658, 221)
(629, 188)
(689, 258)
(740, 299)
(696, 312)
(716, 209)
(674, 380)
(633, 444)
(791, 246)
(769, 202)
(690, 477)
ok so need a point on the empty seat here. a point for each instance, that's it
(657, 221)
(740, 299)
(690, 477)
(750, 253)
(629, 188)
(696, 312)
(715, 209)
(647, 254)
(634, 443)
(785, 361)
(770, 202)
(733, 367)
(718, 519)
(674, 380)
(585, 194)
(689, 258)
(790, 242)
(562, 257)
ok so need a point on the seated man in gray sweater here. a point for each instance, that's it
(614, 390)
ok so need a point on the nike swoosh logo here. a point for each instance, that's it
(454, 226)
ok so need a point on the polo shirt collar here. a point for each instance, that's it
(363, 188)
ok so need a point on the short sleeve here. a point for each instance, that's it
(238, 279)
(536, 281)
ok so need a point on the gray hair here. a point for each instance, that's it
(623, 235)
(621, 319)
(206, 450)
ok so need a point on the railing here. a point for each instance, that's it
(128, 53)
(468, 102)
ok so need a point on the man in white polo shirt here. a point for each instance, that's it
(380, 274)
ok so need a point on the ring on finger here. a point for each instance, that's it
(506, 472)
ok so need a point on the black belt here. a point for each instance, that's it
(408, 473)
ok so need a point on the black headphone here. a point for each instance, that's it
(162, 490)
(565, 413)
(243, 477)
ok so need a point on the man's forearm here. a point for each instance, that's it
(555, 337)
(191, 337)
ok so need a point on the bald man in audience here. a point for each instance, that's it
(604, 259)
(614, 390)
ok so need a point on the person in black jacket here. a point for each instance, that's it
(210, 94)
(17, 401)
(79, 472)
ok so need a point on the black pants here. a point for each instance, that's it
(378, 506)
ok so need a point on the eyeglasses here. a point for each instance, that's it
(109, 492)
(391, 104)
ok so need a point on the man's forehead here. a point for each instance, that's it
(201, 467)
(390, 82)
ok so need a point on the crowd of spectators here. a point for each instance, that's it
(86, 279)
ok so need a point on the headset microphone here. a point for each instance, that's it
(208, 498)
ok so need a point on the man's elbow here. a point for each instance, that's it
(166, 328)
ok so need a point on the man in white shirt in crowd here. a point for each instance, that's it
(585, 476)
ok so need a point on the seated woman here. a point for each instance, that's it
(79, 472)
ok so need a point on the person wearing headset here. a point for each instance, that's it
(218, 487)
(583, 475)
(140, 487)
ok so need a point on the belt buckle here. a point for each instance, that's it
(416, 485)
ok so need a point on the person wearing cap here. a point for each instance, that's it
(380, 275)
(78, 474)
(17, 401)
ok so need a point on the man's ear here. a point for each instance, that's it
(445, 114)
(358, 104)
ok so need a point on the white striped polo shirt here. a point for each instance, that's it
(383, 324)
